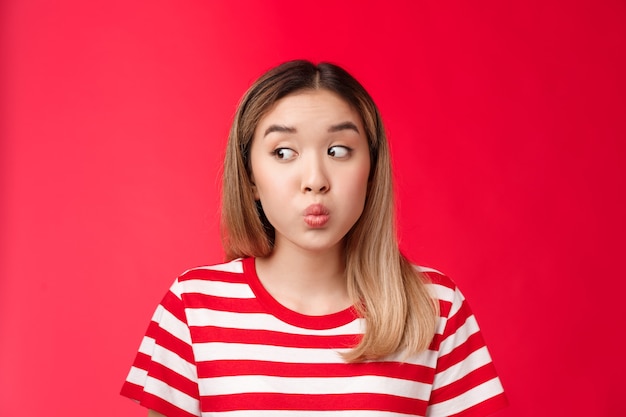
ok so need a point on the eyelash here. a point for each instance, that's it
(278, 153)
(347, 150)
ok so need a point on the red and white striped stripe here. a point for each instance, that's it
(220, 345)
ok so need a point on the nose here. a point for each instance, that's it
(314, 176)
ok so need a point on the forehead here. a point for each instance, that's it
(310, 105)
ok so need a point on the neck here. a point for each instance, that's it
(310, 283)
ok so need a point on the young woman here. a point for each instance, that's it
(317, 313)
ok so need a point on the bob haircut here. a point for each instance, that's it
(386, 289)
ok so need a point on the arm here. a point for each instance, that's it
(152, 413)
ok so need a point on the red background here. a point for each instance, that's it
(507, 123)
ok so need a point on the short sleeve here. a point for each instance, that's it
(466, 383)
(163, 376)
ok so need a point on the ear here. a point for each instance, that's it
(254, 189)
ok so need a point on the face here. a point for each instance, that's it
(310, 165)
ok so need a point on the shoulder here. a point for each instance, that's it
(225, 278)
(442, 287)
(229, 271)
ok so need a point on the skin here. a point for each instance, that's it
(309, 150)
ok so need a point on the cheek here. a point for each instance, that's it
(258, 177)
(355, 189)
(362, 191)
(268, 185)
(362, 180)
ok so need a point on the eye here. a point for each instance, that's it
(284, 153)
(339, 152)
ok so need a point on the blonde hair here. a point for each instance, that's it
(387, 291)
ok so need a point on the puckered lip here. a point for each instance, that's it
(316, 210)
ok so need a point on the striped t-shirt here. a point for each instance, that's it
(220, 345)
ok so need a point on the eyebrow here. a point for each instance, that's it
(279, 128)
(334, 128)
(343, 126)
